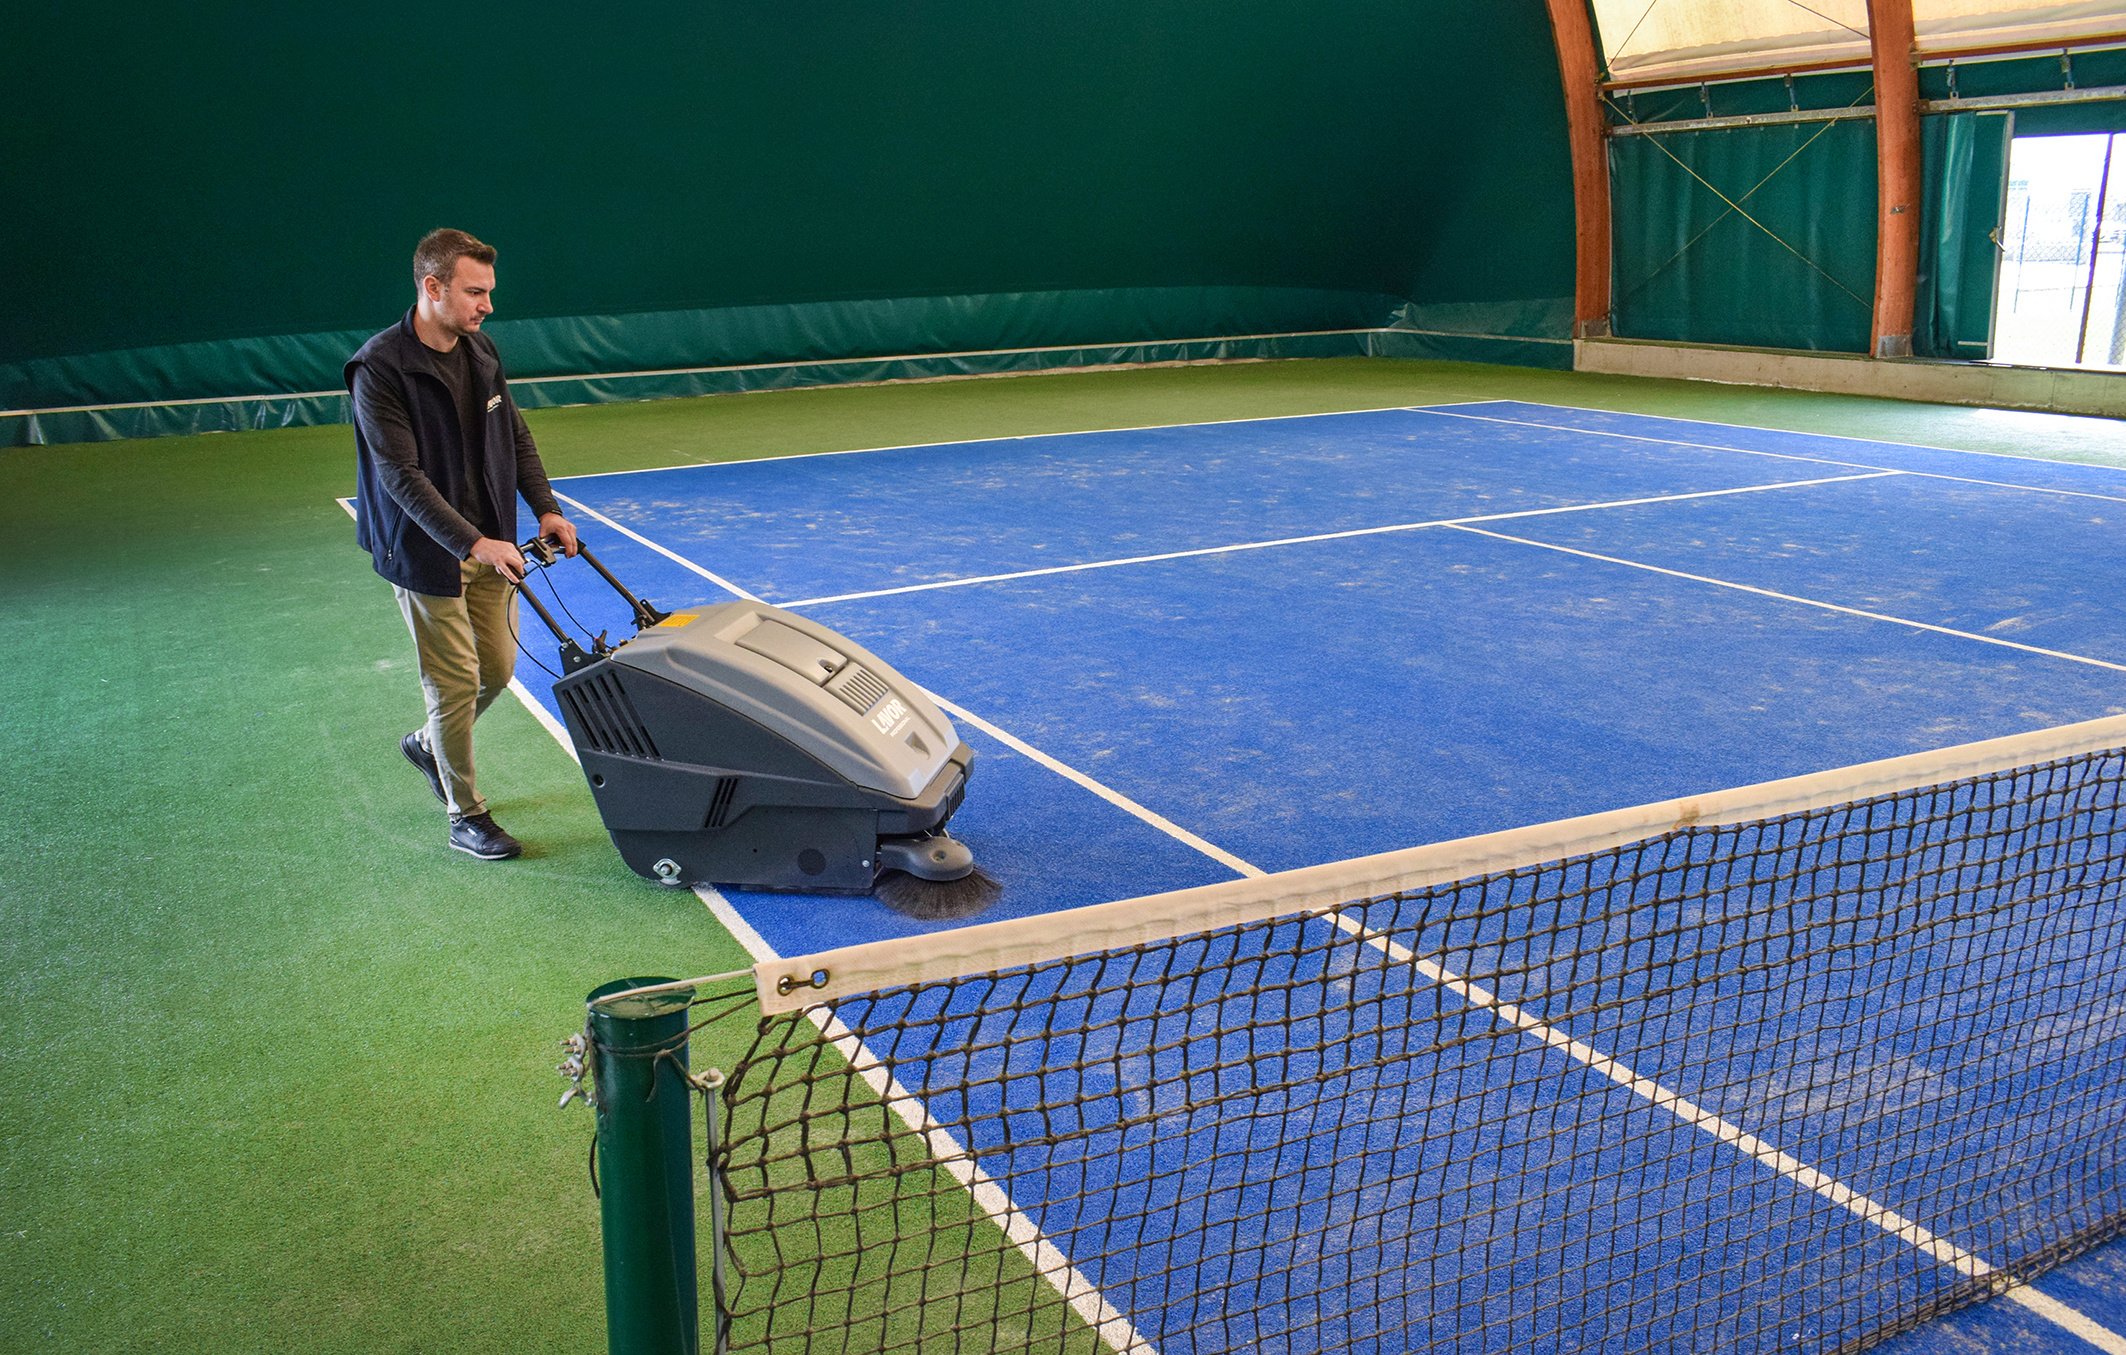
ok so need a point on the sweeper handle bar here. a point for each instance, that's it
(543, 552)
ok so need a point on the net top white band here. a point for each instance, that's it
(801, 981)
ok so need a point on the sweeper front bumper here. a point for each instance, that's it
(747, 745)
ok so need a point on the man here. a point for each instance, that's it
(441, 455)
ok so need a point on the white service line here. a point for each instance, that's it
(1805, 602)
(1444, 413)
(1330, 536)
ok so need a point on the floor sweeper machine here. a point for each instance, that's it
(741, 744)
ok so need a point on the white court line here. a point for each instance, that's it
(1806, 602)
(1796, 432)
(1326, 536)
(1011, 437)
(1798, 456)
(1048, 1260)
(2073, 1319)
(674, 556)
(1107, 793)
(1085, 1299)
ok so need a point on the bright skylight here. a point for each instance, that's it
(1690, 39)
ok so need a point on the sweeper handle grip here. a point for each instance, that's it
(542, 549)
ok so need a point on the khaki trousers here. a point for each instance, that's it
(467, 651)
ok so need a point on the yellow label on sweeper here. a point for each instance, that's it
(679, 619)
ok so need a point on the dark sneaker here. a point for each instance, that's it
(479, 835)
(416, 750)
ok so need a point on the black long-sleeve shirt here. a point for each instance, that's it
(381, 414)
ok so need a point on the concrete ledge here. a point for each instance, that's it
(2052, 389)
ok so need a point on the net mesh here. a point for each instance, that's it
(1795, 1083)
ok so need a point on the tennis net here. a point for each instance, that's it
(1795, 1066)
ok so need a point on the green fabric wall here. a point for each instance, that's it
(209, 197)
(1689, 268)
(1761, 236)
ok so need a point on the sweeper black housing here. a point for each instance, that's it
(742, 744)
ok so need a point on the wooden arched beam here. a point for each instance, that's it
(1580, 70)
(1897, 176)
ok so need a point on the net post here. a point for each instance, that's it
(638, 1048)
(709, 1082)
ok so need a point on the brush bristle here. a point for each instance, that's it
(938, 900)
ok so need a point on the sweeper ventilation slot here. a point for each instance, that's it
(720, 804)
(608, 719)
(861, 688)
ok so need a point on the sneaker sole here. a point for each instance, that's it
(488, 856)
(435, 783)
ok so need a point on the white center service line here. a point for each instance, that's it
(1323, 536)
(1790, 597)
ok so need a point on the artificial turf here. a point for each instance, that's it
(279, 1064)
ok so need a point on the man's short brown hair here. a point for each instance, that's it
(439, 251)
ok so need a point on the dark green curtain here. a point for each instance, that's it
(238, 190)
(1966, 175)
(1760, 236)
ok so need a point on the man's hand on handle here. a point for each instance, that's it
(503, 557)
(558, 530)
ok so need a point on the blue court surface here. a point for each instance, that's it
(1279, 642)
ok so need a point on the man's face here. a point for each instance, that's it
(463, 302)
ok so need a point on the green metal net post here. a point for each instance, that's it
(638, 1053)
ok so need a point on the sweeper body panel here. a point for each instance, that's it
(742, 744)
